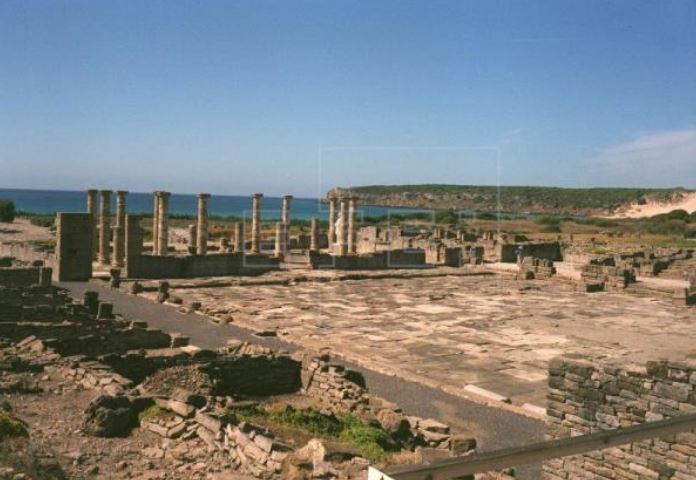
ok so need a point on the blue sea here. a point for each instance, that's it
(51, 201)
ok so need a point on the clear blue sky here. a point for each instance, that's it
(240, 96)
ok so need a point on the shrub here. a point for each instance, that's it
(11, 427)
(151, 413)
(7, 211)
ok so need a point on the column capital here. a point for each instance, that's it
(203, 195)
(105, 192)
(257, 195)
(287, 197)
(121, 193)
(165, 194)
(92, 191)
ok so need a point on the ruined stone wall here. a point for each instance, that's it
(25, 276)
(536, 268)
(585, 398)
(223, 264)
(600, 277)
(374, 261)
(507, 252)
(28, 253)
(75, 234)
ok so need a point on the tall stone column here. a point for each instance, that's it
(313, 236)
(352, 225)
(202, 226)
(279, 240)
(105, 227)
(155, 222)
(92, 195)
(333, 204)
(285, 218)
(256, 223)
(238, 237)
(343, 231)
(163, 224)
(119, 256)
(192, 238)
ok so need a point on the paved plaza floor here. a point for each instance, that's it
(451, 332)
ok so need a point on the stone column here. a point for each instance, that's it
(314, 236)
(332, 220)
(238, 237)
(105, 227)
(92, 210)
(352, 227)
(279, 240)
(155, 222)
(343, 231)
(285, 218)
(192, 238)
(256, 223)
(202, 226)
(120, 230)
(163, 224)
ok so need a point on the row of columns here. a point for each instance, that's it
(343, 230)
(343, 233)
(101, 244)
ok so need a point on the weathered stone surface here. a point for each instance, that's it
(109, 417)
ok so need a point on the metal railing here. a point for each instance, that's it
(536, 452)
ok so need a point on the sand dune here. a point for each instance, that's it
(687, 203)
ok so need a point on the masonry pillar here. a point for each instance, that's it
(192, 238)
(285, 218)
(238, 237)
(279, 240)
(256, 223)
(92, 210)
(332, 220)
(134, 245)
(163, 224)
(202, 226)
(120, 230)
(105, 227)
(343, 231)
(155, 222)
(314, 236)
(352, 227)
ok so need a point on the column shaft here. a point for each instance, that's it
(193, 238)
(163, 224)
(105, 227)
(119, 235)
(279, 239)
(155, 223)
(92, 210)
(256, 223)
(238, 237)
(343, 231)
(202, 227)
(332, 220)
(314, 235)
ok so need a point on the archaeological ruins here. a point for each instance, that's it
(135, 319)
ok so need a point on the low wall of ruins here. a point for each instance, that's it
(25, 276)
(585, 398)
(373, 261)
(223, 264)
(27, 253)
(507, 252)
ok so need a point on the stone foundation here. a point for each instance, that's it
(585, 398)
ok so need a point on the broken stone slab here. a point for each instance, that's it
(432, 425)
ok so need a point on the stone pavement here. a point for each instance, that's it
(452, 332)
